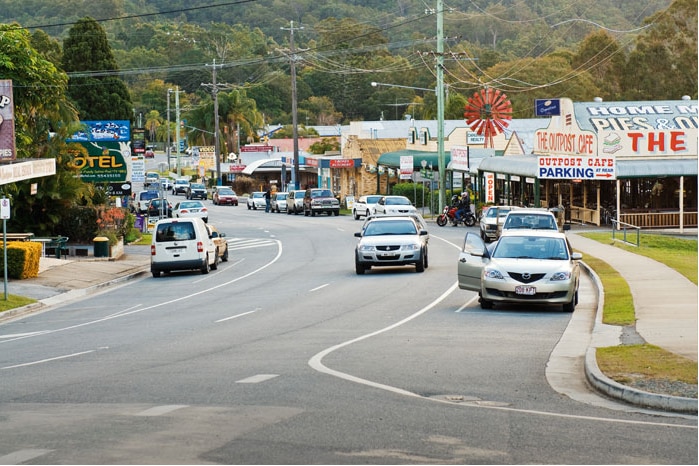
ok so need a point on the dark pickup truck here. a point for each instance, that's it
(318, 200)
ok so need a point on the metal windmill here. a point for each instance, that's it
(488, 113)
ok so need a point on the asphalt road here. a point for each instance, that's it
(285, 356)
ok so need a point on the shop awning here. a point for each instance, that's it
(263, 165)
(392, 159)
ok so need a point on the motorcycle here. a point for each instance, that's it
(449, 214)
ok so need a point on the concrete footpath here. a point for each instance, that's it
(665, 301)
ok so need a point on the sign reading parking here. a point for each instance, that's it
(567, 167)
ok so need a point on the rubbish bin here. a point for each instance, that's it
(101, 246)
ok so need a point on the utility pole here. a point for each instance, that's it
(440, 106)
(294, 113)
(167, 150)
(177, 129)
(214, 91)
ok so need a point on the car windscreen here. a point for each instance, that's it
(321, 193)
(281, 197)
(397, 201)
(191, 205)
(197, 186)
(148, 195)
(398, 227)
(168, 232)
(225, 192)
(531, 247)
(373, 199)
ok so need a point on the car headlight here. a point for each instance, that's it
(493, 274)
(560, 276)
(410, 247)
(366, 248)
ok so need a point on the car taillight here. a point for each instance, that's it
(200, 246)
(184, 211)
(203, 209)
(152, 249)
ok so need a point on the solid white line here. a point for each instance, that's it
(48, 360)
(22, 456)
(165, 303)
(257, 378)
(235, 316)
(160, 410)
(318, 288)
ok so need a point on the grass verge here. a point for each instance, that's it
(14, 301)
(626, 364)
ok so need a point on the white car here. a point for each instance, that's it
(364, 206)
(256, 200)
(191, 209)
(278, 202)
(525, 267)
(182, 244)
(492, 220)
(388, 205)
(391, 241)
(530, 219)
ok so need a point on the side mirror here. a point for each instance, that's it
(566, 226)
(576, 256)
(358, 234)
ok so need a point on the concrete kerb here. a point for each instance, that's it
(610, 335)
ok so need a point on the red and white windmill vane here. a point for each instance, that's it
(488, 113)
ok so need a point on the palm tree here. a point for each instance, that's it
(240, 114)
(153, 122)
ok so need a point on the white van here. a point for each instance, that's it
(182, 244)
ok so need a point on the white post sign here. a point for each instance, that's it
(4, 208)
(406, 167)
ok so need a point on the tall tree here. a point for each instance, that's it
(41, 108)
(96, 90)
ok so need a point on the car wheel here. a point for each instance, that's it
(206, 219)
(356, 216)
(486, 304)
(214, 266)
(205, 268)
(570, 306)
(156, 273)
(359, 267)
(420, 266)
(249, 207)
(427, 263)
(336, 213)
(224, 258)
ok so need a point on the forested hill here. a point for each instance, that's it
(476, 21)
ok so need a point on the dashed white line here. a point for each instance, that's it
(235, 316)
(257, 378)
(48, 360)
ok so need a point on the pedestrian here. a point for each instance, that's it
(268, 199)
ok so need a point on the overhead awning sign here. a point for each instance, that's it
(565, 167)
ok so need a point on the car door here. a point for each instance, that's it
(472, 258)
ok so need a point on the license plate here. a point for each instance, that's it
(526, 290)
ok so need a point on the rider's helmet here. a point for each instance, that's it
(455, 199)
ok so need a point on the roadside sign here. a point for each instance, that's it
(4, 208)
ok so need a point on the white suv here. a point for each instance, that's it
(182, 244)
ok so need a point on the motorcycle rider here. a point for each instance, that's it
(464, 206)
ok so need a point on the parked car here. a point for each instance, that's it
(391, 241)
(196, 191)
(159, 207)
(525, 267)
(149, 154)
(225, 196)
(394, 205)
(220, 241)
(152, 178)
(142, 199)
(278, 202)
(256, 200)
(294, 201)
(364, 206)
(180, 186)
(492, 220)
(318, 201)
(191, 209)
(531, 219)
(182, 244)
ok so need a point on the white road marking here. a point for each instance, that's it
(318, 287)
(235, 316)
(48, 360)
(22, 456)
(160, 410)
(257, 378)
(164, 303)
